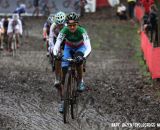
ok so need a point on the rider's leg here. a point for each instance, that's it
(47, 45)
(80, 53)
(10, 35)
(57, 72)
(64, 65)
(61, 89)
(17, 39)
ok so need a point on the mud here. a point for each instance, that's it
(117, 90)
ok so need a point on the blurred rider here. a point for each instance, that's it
(14, 26)
(1, 32)
(58, 24)
(5, 22)
(46, 31)
(77, 41)
(21, 9)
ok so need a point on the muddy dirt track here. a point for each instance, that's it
(117, 90)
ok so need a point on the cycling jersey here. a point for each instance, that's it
(1, 27)
(46, 29)
(19, 10)
(74, 40)
(54, 31)
(15, 25)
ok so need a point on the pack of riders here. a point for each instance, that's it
(62, 34)
(66, 36)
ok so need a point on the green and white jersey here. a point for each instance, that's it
(75, 39)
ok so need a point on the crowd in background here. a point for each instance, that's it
(149, 21)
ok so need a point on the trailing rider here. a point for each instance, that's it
(14, 26)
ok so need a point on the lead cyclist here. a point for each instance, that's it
(77, 41)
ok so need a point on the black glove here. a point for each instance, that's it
(79, 59)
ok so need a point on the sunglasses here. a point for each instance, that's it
(72, 25)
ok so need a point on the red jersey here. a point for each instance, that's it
(146, 4)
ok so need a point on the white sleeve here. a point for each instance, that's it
(51, 34)
(20, 26)
(59, 40)
(9, 27)
(87, 44)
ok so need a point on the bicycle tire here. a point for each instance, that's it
(66, 98)
(74, 97)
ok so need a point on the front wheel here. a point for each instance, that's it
(67, 92)
(74, 98)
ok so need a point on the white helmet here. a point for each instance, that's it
(22, 6)
(50, 19)
(15, 16)
(60, 17)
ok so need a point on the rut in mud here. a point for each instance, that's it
(117, 90)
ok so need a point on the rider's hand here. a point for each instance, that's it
(58, 56)
(79, 59)
(50, 49)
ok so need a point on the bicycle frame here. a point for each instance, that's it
(70, 91)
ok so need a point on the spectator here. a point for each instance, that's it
(36, 7)
(151, 25)
(82, 5)
(131, 5)
(121, 12)
(146, 4)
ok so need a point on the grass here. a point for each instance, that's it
(139, 57)
(121, 35)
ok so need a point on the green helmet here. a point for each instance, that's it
(72, 16)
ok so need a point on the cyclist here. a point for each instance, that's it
(46, 31)
(21, 9)
(54, 31)
(5, 22)
(14, 26)
(1, 32)
(77, 41)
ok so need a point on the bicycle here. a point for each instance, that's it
(70, 91)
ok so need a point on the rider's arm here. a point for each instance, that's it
(87, 44)
(59, 40)
(44, 31)
(51, 35)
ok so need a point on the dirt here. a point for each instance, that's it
(118, 92)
